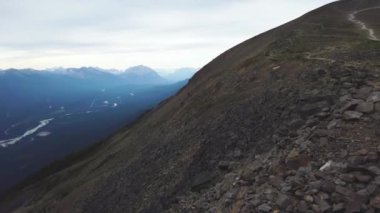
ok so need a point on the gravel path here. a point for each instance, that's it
(363, 26)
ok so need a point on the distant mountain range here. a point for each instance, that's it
(134, 75)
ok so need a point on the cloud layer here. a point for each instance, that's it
(122, 33)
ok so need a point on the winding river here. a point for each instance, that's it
(12, 141)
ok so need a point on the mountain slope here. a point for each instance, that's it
(249, 133)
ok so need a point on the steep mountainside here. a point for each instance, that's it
(287, 120)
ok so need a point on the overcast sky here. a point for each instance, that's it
(122, 33)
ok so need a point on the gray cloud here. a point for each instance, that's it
(120, 33)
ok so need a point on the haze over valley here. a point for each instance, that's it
(49, 114)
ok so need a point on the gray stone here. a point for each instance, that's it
(375, 202)
(374, 169)
(343, 191)
(311, 122)
(295, 160)
(324, 206)
(327, 186)
(299, 193)
(376, 180)
(237, 153)
(347, 177)
(365, 107)
(363, 193)
(224, 165)
(356, 202)
(296, 123)
(376, 116)
(201, 179)
(361, 152)
(255, 201)
(302, 206)
(338, 207)
(312, 108)
(351, 105)
(315, 208)
(374, 97)
(362, 178)
(283, 201)
(339, 182)
(323, 141)
(264, 208)
(333, 166)
(357, 160)
(322, 115)
(248, 173)
(326, 109)
(231, 194)
(377, 106)
(323, 132)
(323, 196)
(363, 92)
(345, 98)
(332, 124)
(309, 198)
(371, 188)
(315, 184)
(347, 85)
(352, 115)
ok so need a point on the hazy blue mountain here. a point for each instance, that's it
(180, 74)
(46, 115)
(140, 75)
(87, 72)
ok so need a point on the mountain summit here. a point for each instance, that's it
(287, 121)
(143, 75)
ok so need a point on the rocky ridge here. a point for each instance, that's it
(326, 158)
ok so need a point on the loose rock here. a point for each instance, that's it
(264, 208)
(365, 107)
(338, 207)
(374, 97)
(375, 202)
(352, 115)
